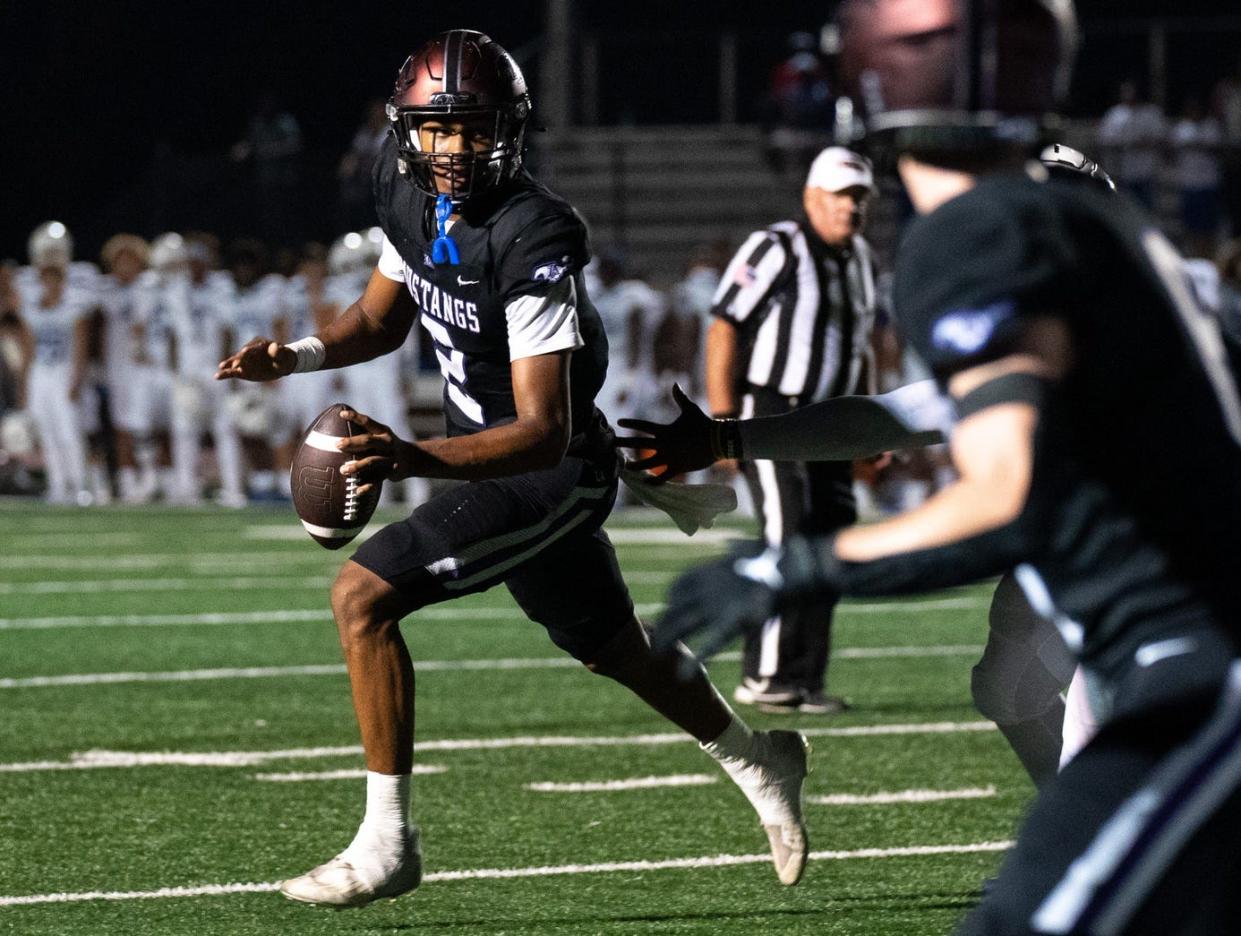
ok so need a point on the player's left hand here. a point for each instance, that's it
(671, 449)
(378, 455)
(737, 594)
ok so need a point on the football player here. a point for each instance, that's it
(127, 363)
(1025, 665)
(1084, 377)
(257, 306)
(54, 328)
(491, 263)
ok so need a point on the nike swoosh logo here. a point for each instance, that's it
(1151, 653)
(461, 282)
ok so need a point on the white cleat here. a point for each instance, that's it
(340, 883)
(772, 782)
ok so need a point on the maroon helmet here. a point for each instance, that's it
(952, 75)
(464, 78)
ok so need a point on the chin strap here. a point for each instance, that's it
(444, 248)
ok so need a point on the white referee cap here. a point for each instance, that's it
(837, 169)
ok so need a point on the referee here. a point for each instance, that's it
(792, 323)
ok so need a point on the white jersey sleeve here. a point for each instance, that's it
(391, 264)
(543, 322)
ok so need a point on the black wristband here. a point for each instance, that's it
(725, 438)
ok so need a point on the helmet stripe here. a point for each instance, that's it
(453, 45)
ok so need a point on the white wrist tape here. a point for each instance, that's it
(310, 354)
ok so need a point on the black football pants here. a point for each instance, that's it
(810, 498)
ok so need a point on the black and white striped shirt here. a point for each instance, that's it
(805, 312)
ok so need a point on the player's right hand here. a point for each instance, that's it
(261, 359)
(671, 449)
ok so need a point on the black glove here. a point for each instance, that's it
(739, 593)
(690, 442)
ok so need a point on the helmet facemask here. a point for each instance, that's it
(489, 151)
(475, 94)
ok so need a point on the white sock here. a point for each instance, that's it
(738, 751)
(381, 837)
(735, 743)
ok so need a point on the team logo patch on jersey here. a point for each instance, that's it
(552, 271)
(967, 331)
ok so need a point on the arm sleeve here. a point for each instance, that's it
(543, 322)
(391, 264)
(749, 277)
(850, 427)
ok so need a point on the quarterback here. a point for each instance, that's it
(491, 264)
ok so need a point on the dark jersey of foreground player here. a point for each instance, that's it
(1133, 521)
(515, 241)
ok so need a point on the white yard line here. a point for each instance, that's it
(901, 796)
(92, 760)
(707, 861)
(417, 770)
(436, 613)
(614, 786)
(139, 561)
(237, 583)
(425, 666)
(10, 539)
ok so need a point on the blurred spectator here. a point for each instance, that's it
(1226, 103)
(1131, 133)
(356, 208)
(800, 105)
(273, 147)
(1196, 141)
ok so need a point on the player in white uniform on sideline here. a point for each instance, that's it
(202, 316)
(127, 370)
(51, 242)
(379, 383)
(631, 311)
(307, 309)
(257, 309)
(54, 323)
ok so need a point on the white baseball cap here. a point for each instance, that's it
(837, 169)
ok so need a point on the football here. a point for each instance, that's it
(325, 500)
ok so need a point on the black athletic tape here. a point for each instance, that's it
(1020, 387)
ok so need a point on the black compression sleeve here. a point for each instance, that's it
(957, 563)
(1019, 387)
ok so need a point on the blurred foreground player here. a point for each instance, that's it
(1025, 665)
(1085, 378)
(499, 288)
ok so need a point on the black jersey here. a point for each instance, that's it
(1138, 459)
(513, 242)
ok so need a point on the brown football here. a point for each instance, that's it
(324, 499)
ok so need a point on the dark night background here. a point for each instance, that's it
(99, 99)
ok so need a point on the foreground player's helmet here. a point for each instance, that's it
(957, 75)
(1064, 161)
(462, 76)
(50, 244)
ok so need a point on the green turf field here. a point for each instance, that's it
(202, 640)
